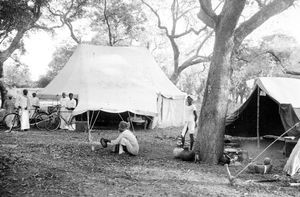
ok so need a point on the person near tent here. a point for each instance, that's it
(292, 165)
(23, 104)
(63, 110)
(190, 122)
(71, 103)
(35, 104)
(9, 104)
(126, 142)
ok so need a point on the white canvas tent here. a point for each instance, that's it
(119, 79)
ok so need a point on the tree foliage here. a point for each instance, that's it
(182, 12)
(117, 22)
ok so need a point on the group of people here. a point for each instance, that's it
(67, 105)
(26, 107)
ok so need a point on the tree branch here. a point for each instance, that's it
(271, 9)
(157, 17)
(13, 45)
(77, 40)
(196, 32)
(107, 24)
(206, 14)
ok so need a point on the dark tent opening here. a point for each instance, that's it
(244, 121)
(106, 120)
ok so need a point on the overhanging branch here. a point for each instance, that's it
(271, 9)
(206, 14)
(157, 17)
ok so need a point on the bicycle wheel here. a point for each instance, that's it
(41, 120)
(12, 121)
(53, 122)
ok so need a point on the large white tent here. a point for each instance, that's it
(119, 79)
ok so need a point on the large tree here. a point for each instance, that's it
(228, 37)
(16, 18)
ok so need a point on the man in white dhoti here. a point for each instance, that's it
(126, 142)
(23, 105)
(63, 110)
(71, 104)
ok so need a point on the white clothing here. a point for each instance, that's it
(64, 112)
(189, 112)
(190, 125)
(24, 103)
(71, 103)
(292, 165)
(24, 114)
(63, 102)
(128, 139)
(35, 101)
(189, 120)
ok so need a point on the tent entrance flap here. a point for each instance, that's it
(289, 118)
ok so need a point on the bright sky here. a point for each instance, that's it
(41, 46)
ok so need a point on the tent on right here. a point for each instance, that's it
(272, 108)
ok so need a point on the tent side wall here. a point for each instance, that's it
(170, 112)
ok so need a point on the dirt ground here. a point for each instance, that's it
(41, 163)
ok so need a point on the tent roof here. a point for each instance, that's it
(113, 79)
(283, 90)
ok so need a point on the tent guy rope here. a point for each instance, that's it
(231, 178)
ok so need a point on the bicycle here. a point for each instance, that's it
(12, 120)
(54, 120)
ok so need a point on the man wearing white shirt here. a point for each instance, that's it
(35, 103)
(126, 142)
(190, 121)
(23, 104)
(63, 110)
(71, 103)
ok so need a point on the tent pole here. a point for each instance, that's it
(88, 125)
(257, 118)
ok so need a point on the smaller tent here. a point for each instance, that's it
(272, 108)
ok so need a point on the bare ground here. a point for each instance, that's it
(40, 163)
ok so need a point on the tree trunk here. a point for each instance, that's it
(2, 87)
(209, 143)
(210, 139)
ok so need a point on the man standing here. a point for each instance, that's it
(63, 111)
(9, 105)
(23, 104)
(190, 121)
(71, 104)
(35, 103)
